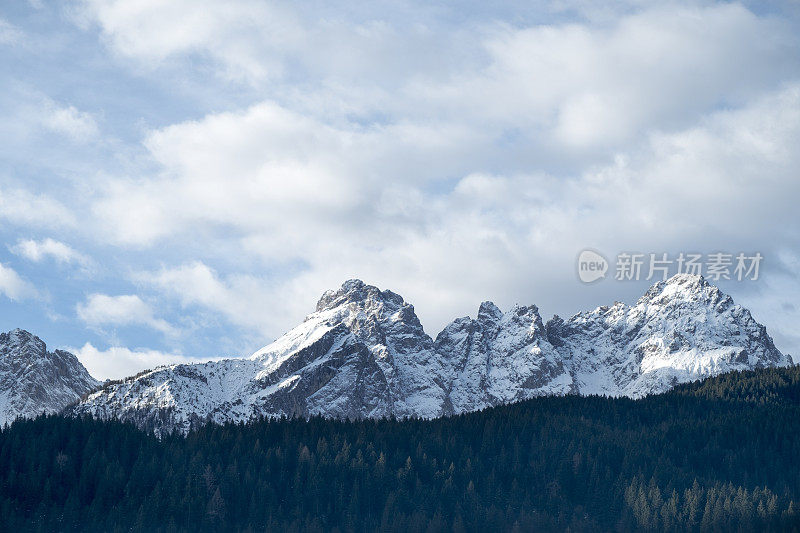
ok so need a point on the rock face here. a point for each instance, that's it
(363, 353)
(682, 329)
(34, 381)
(500, 358)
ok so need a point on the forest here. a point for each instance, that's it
(718, 455)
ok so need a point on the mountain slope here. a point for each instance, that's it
(364, 354)
(500, 358)
(681, 330)
(35, 381)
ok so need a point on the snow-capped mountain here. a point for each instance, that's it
(34, 381)
(681, 330)
(499, 358)
(364, 353)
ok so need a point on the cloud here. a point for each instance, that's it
(38, 251)
(244, 300)
(232, 35)
(69, 121)
(286, 188)
(269, 148)
(33, 119)
(558, 99)
(118, 362)
(583, 88)
(22, 207)
(507, 236)
(262, 43)
(259, 168)
(123, 310)
(9, 34)
(13, 286)
(572, 86)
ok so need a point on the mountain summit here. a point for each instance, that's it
(34, 381)
(681, 330)
(364, 354)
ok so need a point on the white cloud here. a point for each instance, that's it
(25, 208)
(277, 156)
(346, 198)
(69, 121)
(9, 34)
(290, 188)
(244, 300)
(231, 34)
(30, 115)
(294, 177)
(123, 310)
(13, 286)
(260, 168)
(262, 43)
(118, 362)
(572, 86)
(597, 86)
(38, 251)
(506, 237)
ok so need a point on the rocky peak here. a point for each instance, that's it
(682, 288)
(489, 313)
(33, 380)
(368, 311)
(22, 342)
(526, 317)
(355, 291)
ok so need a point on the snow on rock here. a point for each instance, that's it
(363, 353)
(682, 329)
(34, 381)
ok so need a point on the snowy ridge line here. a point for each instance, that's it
(363, 353)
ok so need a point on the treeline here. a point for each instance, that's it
(721, 455)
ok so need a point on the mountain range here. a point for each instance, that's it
(364, 354)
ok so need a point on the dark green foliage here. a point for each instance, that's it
(722, 455)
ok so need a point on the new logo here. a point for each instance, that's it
(591, 266)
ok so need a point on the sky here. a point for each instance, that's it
(181, 180)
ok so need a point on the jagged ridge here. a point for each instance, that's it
(364, 353)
